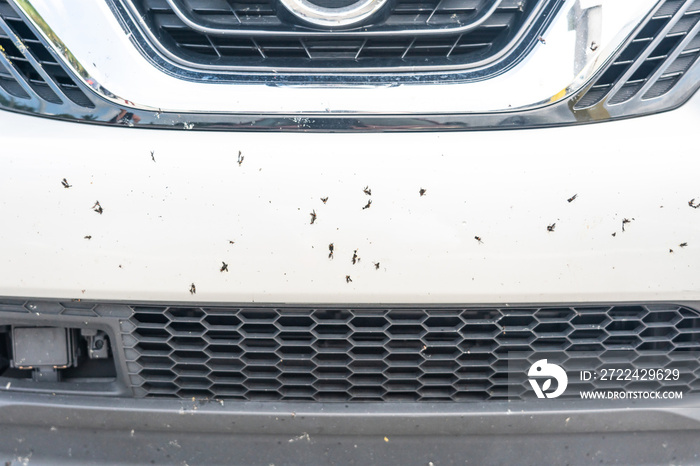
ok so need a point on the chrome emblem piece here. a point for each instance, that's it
(330, 17)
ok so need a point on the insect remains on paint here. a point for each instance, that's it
(324, 199)
(313, 217)
(478, 238)
(65, 184)
(224, 267)
(369, 204)
(240, 158)
(331, 247)
(367, 191)
(348, 279)
(355, 258)
(551, 227)
(572, 198)
(193, 289)
(97, 207)
(422, 191)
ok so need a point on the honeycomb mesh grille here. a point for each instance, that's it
(655, 60)
(435, 354)
(304, 50)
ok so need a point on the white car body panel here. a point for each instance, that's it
(167, 224)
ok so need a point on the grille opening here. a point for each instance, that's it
(643, 70)
(402, 354)
(21, 59)
(304, 49)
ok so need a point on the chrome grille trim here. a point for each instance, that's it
(556, 109)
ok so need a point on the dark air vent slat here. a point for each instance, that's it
(36, 64)
(675, 44)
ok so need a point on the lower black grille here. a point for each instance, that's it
(399, 354)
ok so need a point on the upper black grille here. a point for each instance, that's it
(29, 71)
(654, 60)
(286, 45)
(379, 354)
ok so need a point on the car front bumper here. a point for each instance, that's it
(169, 221)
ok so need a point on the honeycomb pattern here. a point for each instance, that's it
(375, 354)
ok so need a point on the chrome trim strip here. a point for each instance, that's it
(556, 111)
(209, 28)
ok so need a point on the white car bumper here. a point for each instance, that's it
(169, 223)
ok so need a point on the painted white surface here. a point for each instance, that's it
(168, 224)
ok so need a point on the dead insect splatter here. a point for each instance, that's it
(614, 234)
(193, 289)
(670, 251)
(97, 207)
(683, 245)
(594, 46)
(348, 279)
(355, 258)
(478, 238)
(153, 155)
(65, 184)
(367, 191)
(331, 247)
(572, 198)
(625, 221)
(541, 39)
(313, 217)
(422, 191)
(231, 242)
(692, 203)
(369, 204)
(224, 267)
(376, 265)
(551, 227)
(87, 237)
(324, 199)
(240, 158)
